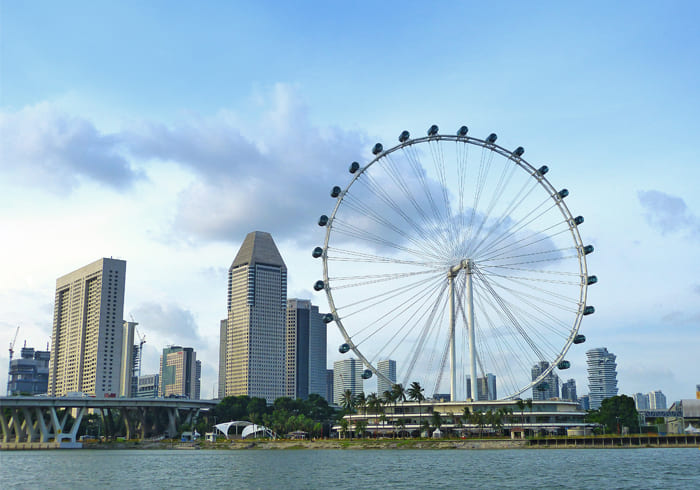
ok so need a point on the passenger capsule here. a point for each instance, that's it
(328, 317)
(319, 285)
(588, 310)
(317, 253)
(588, 249)
(378, 148)
(462, 131)
(404, 136)
(564, 365)
(563, 193)
(433, 130)
(354, 167)
(579, 339)
(344, 348)
(335, 191)
(591, 280)
(492, 138)
(519, 151)
(366, 374)
(323, 220)
(543, 170)
(578, 220)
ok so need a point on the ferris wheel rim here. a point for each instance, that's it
(516, 160)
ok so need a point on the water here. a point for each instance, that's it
(386, 468)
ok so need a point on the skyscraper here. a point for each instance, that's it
(641, 401)
(568, 390)
(128, 378)
(223, 326)
(485, 386)
(602, 376)
(329, 386)
(86, 341)
(305, 350)
(180, 372)
(387, 368)
(548, 387)
(347, 375)
(657, 400)
(255, 330)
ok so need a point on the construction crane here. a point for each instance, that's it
(142, 340)
(12, 351)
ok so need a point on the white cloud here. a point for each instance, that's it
(41, 146)
(668, 214)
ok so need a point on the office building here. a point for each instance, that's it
(147, 386)
(347, 375)
(641, 401)
(305, 350)
(388, 369)
(29, 375)
(657, 400)
(329, 386)
(584, 402)
(256, 323)
(180, 373)
(87, 330)
(223, 326)
(602, 376)
(548, 387)
(131, 358)
(485, 387)
(568, 390)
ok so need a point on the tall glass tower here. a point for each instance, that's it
(602, 376)
(306, 350)
(255, 327)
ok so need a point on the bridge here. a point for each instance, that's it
(29, 419)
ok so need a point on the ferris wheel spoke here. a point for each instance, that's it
(344, 255)
(372, 279)
(526, 220)
(556, 252)
(525, 242)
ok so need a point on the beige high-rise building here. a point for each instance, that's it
(180, 372)
(86, 342)
(255, 327)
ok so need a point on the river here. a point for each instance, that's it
(385, 468)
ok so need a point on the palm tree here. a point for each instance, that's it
(528, 402)
(399, 395)
(466, 415)
(437, 420)
(347, 400)
(361, 402)
(344, 424)
(415, 393)
(521, 406)
(360, 427)
(400, 425)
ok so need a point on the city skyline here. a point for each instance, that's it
(166, 150)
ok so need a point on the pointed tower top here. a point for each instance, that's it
(258, 248)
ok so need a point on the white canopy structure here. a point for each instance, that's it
(249, 429)
(692, 430)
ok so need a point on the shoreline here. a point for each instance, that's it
(599, 442)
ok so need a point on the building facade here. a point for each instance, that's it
(180, 373)
(130, 358)
(221, 387)
(568, 390)
(548, 387)
(305, 350)
(86, 340)
(29, 375)
(386, 367)
(602, 376)
(257, 309)
(329, 386)
(657, 400)
(147, 386)
(347, 375)
(641, 401)
(485, 387)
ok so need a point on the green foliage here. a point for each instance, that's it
(615, 413)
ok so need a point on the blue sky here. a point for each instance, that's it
(122, 126)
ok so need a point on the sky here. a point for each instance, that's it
(163, 132)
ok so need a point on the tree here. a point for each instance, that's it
(436, 420)
(347, 401)
(344, 424)
(615, 413)
(361, 402)
(400, 426)
(415, 393)
(521, 407)
(360, 427)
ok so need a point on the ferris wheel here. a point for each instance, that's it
(457, 259)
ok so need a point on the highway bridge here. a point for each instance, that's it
(29, 419)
